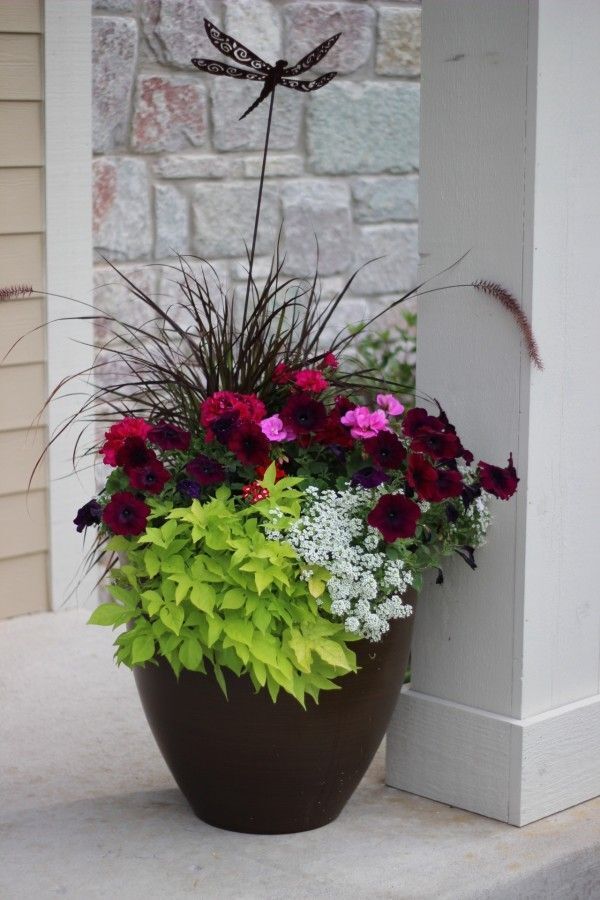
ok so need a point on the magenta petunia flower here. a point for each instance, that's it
(502, 483)
(385, 450)
(126, 514)
(151, 477)
(250, 445)
(311, 380)
(274, 429)
(390, 404)
(205, 471)
(395, 516)
(169, 437)
(302, 414)
(365, 424)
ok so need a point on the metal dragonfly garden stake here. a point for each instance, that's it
(259, 70)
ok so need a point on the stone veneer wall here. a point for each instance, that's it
(175, 170)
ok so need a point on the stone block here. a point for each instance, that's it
(230, 98)
(364, 128)
(278, 165)
(307, 24)
(223, 218)
(114, 5)
(114, 53)
(175, 31)
(317, 212)
(398, 41)
(255, 23)
(386, 198)
(196, 166)
(113, 296)
(172, 221)
(170, 113)
(396, 272)
(122, 222)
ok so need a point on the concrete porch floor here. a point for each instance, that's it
(88, 809)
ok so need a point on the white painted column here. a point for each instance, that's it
(503, 713)
(68, 151)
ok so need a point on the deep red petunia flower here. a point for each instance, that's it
(250, 445)
(169, 437)
(303, 414)
(117, 433)
(151, 477)
(126, 514)
(133, 452)
(333, 433)
(417, 418)
(205, 471)
(437, 443)
(395, 516)
(430, 483)
(502, 483)
(385, 450)
(222, 429)
(248, 407)
(343, 405)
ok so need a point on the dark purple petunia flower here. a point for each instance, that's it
(223, 428)
(385, 450)
(126, 514)
(303, 414)
(369, 477)
(250, 445)
(502, 483)
(89, 514)
(169, 437)
(205, 471)
(150, 477)
(395, 516)
(134, 452)
(189, 488)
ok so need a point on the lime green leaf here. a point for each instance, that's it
(142, 649)
(204, 597)
(262, 618)
(331, 653)
(316, 586)
(239, 630)
(264, 649)
(172, 617)
(233, 599)
(263, 580)
(151, 563)
(215, 627)
(220, 678)
(190, 653)
(109, 614)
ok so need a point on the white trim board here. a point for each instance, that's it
(68, 156)
(514, 770)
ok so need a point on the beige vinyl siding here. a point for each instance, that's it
(23, 507)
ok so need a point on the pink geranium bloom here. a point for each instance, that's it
(390, 404)
(365, 424)
(311, 380)
(274, 429)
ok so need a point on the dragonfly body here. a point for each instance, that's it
(259, 70)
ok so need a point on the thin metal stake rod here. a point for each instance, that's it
(260, 193)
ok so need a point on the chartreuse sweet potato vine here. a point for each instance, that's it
(204, 587)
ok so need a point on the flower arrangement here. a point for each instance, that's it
(274, 531)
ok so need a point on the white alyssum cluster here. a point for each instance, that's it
(365, 587)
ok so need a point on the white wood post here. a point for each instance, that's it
(68, 130)
(503, 713)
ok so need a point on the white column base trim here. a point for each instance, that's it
(514, 770)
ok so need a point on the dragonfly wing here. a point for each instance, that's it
(308, 85)
(312, 58)
(232, 48)
(218, 68)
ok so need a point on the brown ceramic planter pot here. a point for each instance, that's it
(247, 764)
